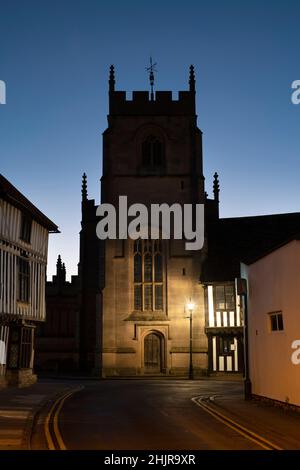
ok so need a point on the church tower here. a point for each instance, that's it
(152, 153)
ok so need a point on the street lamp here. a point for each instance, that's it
(190, 306)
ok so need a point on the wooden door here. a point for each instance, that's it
(226, 360)
(152, 353)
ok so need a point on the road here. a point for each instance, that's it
(148, 415)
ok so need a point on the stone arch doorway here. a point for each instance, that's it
(153, 353)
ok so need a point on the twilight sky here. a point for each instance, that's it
(54, 58)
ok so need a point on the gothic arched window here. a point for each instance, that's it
(148, 275)
(152, 153)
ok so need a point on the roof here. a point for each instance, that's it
(245, 239)
(17, 199)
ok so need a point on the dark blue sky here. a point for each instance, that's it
(54, 58)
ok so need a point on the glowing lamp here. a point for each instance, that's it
(190, 305)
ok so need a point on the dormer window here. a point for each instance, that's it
(152, 153)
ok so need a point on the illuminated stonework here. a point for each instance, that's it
(153, 155)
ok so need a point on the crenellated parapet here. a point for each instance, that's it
(143, 103)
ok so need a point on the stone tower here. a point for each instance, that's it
(152, 153)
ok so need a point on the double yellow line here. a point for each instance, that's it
(55, 441)
(51, 427)
(245, 432)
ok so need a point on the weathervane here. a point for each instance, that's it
(151, 71)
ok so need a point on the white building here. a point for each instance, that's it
(24, 234)
(274, 323)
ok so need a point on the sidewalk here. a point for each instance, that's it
(18, 408)
(281, 426)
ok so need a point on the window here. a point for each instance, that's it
(148, 275)
(276, 321)
(20, 348)
(224, 297)
(225, 345)
(26, 224)
(26, 348)
(14, 342)
(152, 153)
(24, 280)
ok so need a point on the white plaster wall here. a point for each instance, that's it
(274, 284)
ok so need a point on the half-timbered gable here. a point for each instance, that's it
(24, 232)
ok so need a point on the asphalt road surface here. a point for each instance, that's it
(147, 415)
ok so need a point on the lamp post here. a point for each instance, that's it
(190, 307)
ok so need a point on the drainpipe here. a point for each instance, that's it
(241, 289)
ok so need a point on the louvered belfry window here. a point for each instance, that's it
(152, 153)
(148, 275)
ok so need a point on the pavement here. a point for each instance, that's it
(145, 414)
(280, 424)
(19, 408)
